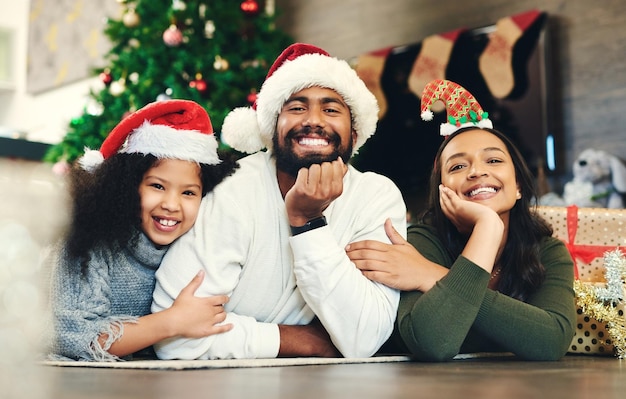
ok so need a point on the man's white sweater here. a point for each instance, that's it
(242, 241)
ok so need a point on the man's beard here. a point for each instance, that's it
(287, 161)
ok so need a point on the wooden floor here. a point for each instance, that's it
(571, 378)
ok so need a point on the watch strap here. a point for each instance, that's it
(312, 224)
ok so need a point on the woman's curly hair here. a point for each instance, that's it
(106, 207)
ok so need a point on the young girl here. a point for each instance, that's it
(131, 200)
(481, 271)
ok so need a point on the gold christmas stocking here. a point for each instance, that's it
(495, 63)
(432, 61)
(370, 69)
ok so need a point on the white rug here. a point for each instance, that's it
(224, 363)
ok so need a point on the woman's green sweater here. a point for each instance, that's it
(461, 315)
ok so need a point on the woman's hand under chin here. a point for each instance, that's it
(462, 213)
(483, 225)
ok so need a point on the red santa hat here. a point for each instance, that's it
(300, 66)
(177, 129)
(462, 108)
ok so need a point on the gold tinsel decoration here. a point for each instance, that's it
(595, 305)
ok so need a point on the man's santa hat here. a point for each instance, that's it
(176, 129)
(462, 108)
(299, 66)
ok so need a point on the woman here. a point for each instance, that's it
(481, 271)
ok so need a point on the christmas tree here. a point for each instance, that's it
(215, 52)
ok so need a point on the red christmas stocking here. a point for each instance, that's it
(495, 63)
(370, 68)
(432, 61)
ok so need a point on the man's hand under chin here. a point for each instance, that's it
(315, 188)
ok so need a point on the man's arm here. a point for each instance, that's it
(357, 313)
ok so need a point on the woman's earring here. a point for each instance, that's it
(519, 195)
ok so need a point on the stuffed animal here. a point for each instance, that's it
(599, 181)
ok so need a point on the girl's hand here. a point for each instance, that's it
(195, 317)
(397, 265)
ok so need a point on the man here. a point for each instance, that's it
(272, 236)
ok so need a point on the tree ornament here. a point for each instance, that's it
(220, 64)
(172, 36)
(250, 7)
(252, 97)
(105, 77)
(179, 5)
(134, 43)
(270, 7)
(77, 122)
(93, 107)
(198, 83)
(131, 18)
(165, 96)
(61, 168)
(134, 77)
(256, 63)
(209, 29)
(116, 88)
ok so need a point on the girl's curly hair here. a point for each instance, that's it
(106, 203)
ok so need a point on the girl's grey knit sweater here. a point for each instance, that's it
(116, 288)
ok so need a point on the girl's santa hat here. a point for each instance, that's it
(300, 66)
(176, 129)
(462, 108)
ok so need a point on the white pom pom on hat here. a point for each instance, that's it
(241, 128)
(176, 129)
(298, 67)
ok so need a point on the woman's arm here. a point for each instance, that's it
(483, 225)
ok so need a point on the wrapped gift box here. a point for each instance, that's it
(589, 233)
